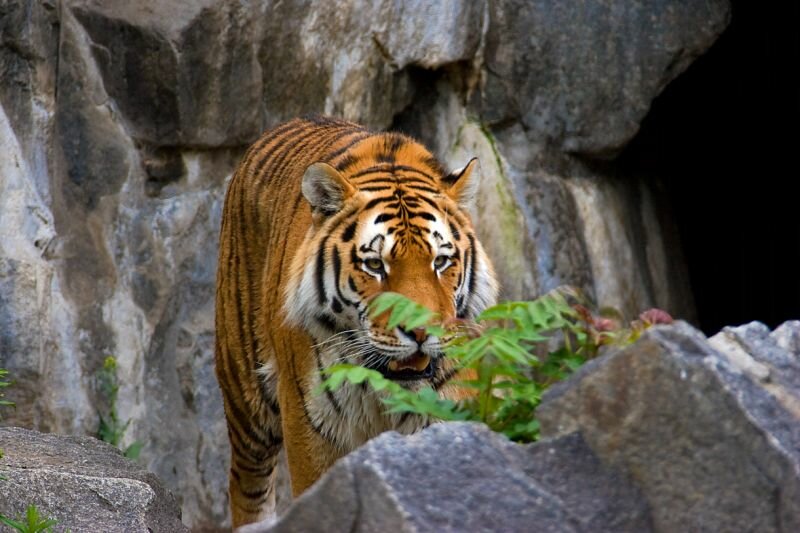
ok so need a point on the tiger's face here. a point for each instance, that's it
(387, 228)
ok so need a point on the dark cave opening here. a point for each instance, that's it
(722, 138)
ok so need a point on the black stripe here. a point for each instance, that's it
(386, 158)
(351, 282)
(349, 232)
(326, 322)
(260, 470)
(434, 164)
(454, 231)
(256, 493)
(472, 262)
(250, 447)
(328, 392)
(428, 201)
(422, 188)
(321, 297)
(346, 162)
(395, 143)
(371, 170)
(383, 217)
(372, 189)
(302, 396)
(415, 170)
(336, 305)
(337, 270)
(422, 214)
(444, 378)
(375, 201)
(360, 136)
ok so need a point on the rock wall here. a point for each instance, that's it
(121, 121)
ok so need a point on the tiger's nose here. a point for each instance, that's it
(417, 334)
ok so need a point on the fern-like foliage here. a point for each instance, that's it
(508, 356)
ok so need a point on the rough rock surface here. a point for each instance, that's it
(84, 484)
(121, 121)
(708, 430)
(581, 75)
(463, 477)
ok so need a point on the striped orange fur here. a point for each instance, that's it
(321, 216)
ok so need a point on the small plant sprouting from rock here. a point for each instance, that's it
(112, 429)
(32, 522)
(497, 355)
(3, 385)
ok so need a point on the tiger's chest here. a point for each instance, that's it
(353, 414)
(348, 417)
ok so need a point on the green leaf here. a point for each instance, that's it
(133, 451)
(383, 302)
(19, 526)
(357, 375)
(510, 350)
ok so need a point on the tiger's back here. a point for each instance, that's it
(290, 279)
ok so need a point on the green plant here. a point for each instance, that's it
(502, 355)
(4, 403)
(32, 522)
(112, 429)
(3, 385)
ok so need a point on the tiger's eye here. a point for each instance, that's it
(440, 261)
(373, 263)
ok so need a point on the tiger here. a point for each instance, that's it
(320, 217)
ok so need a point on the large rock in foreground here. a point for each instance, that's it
(84, 484)
(463, 477)
(709, 430)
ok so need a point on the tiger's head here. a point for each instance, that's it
(386, 217)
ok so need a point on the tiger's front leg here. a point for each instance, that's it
(309, 453)
(254, 457)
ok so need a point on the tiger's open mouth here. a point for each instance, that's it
(417, 366)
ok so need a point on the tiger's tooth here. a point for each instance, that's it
(421, 363)
(393, 365)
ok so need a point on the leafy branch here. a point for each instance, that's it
(503, 358)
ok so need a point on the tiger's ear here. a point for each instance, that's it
(326, 189)
(462, 184)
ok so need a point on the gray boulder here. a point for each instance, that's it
(708, 430)
(581, 75)
(463, 477)
(84, 484)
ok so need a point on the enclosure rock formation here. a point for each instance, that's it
(707, 429)
(120, 123)
(83, 484)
